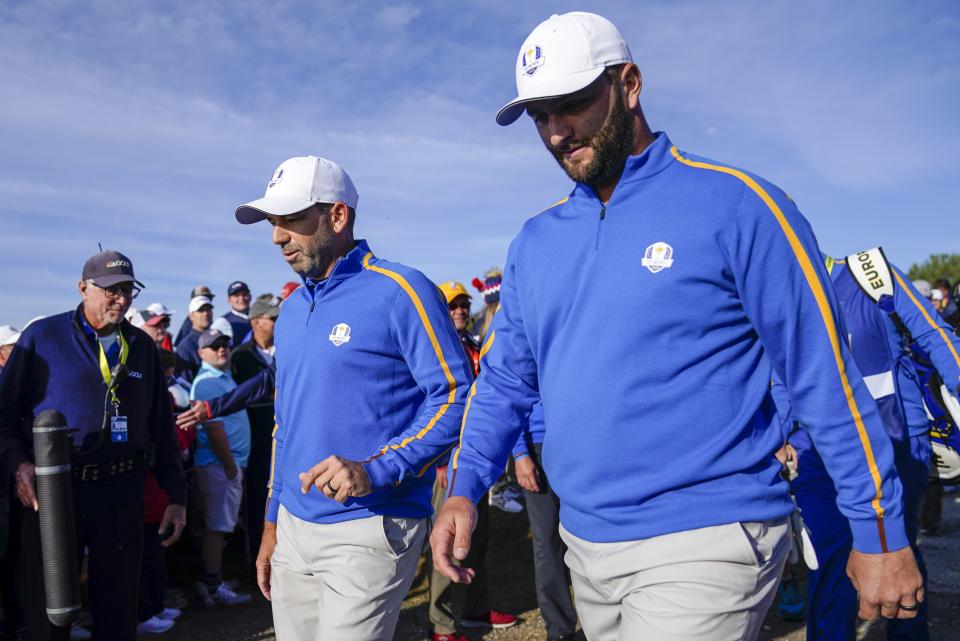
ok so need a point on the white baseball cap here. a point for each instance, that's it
(8, 335)
(160, 309)
(197, 302)
(297, 184)
(936, 294)
(923, 287)
(222, 325)
(562, 55)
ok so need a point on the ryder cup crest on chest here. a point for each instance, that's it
(340, 334)
(657, 256)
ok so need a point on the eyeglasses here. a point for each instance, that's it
(116, 291)
(455, 306)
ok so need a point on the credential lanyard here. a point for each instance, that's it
(105, 366)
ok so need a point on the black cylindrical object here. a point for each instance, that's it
(58, 532)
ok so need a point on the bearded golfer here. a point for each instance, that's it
(660, 428)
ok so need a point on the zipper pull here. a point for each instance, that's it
(603, 211)
(312, 303)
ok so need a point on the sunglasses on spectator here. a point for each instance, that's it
(116, 291)
(454, 306)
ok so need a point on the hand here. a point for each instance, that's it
(787, 455)
(267, 543)
(231, 470)
(527, 475)
(442, 476)
(176, 515)
(450, 539)
(196, 414)
(26, 476)
(885, 582)
(338, 479)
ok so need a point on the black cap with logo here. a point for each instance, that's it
(109, 268)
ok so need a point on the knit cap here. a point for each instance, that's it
(490, 286)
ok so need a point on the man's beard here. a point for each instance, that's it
(316, 259)
(611, 145)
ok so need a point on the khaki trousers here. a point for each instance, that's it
(710, 584)
(342, 581)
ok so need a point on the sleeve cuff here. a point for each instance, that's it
(381, 472)
(273, 509)
(467, 484)
(520, 449)
(178, 495)
(521, 455)
(869, 535)
(15, 457)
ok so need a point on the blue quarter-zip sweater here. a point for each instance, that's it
(369, 368)
(650, 327)
(883, 354)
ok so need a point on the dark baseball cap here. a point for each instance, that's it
(109, 268)
(211, 337)
(201, 290)
(236, 287)
(262, 308)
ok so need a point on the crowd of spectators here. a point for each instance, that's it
(227, 457)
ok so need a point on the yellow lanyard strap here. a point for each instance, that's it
(105, 366)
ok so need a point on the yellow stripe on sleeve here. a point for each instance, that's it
(927, 317)
(826, 313)
(431, 334)
(273, 447)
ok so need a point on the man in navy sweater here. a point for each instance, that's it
(371, 381)
(671, 503)
(238, 295)
(64, 363)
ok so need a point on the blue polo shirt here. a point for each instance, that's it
(212, 383)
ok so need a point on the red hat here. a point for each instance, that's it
(288, 289)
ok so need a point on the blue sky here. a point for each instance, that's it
(143, 125)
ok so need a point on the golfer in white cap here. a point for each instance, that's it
(371, 381)
(660, 428)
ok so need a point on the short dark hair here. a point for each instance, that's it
(942, 283)
(613, 71)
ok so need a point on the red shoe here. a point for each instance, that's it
(491, 619)
(449, 637)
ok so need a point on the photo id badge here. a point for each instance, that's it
(118, 429)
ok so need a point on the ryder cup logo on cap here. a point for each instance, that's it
(298, 184)
(579, 46)
(531, 60)
(277, 177)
